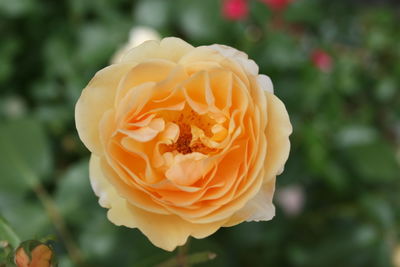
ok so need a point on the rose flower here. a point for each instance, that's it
(184, 140)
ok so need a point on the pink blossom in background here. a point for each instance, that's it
(277, 4)
(291, 199)
(322, 60)
(235, 9)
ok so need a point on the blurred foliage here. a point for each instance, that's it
(345, 146)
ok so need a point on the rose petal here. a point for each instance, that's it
(164, 231)
(170, 48)
(260, 208)
(277, 132)
(96, 98)
(187, 169)
(265, 83)
(240, 57)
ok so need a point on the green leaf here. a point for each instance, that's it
(15, 8)
(8, 234)
(26, 155)
(98, 238)
(348, 80)
(281, 51)
(374, 162)
(303, 12)
(18, 210)
(76, 179)
(260, 12)
(378, 210)
(199, 23)
(386, 89)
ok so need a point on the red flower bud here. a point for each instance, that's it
(235, 9)
(322, 60)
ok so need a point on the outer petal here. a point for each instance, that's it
(164, 231)
(264, 82)
(137, 36)
(101, 187)
(170, 48)
(96, 99)
(259, 208)
(277, 132)
(240, 57)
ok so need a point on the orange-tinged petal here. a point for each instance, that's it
(106, 191)
(154, 70)
(187, 169)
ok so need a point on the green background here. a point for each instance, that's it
(345, 154)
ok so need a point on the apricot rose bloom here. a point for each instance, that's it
(184, 140)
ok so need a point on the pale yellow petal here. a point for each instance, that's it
(101, 187)
(259, 208)
(240, 57)
(169, 48)
(277, 132)
(96, 99)
(265, 83)
(146, 133)
(164, 231)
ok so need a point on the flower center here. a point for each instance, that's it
(182, 145)
(195, 133)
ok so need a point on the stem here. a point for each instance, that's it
(196, 258)
(181, 256)
(56, 218)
